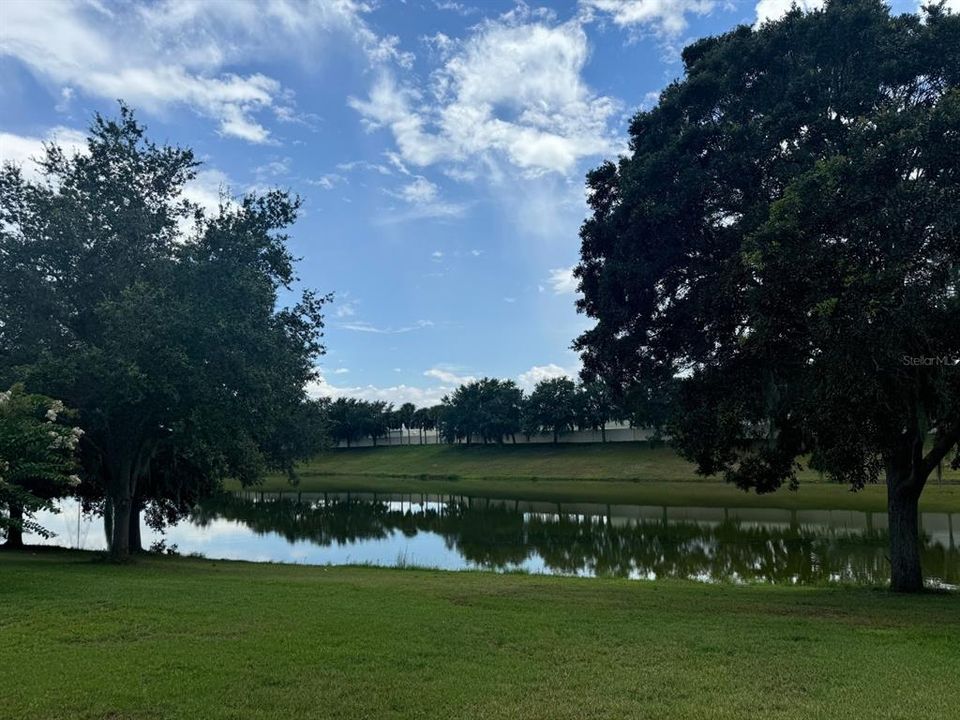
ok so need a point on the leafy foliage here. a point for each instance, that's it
(778, 258)
(487, 408)
(38, 460)
(595, 407)
(551, 407)
(157, 322)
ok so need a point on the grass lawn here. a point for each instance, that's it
(185, 638)
(612, 461)
(615, 473)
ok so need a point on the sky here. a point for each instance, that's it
(439, 148)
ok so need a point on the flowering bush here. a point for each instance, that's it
(38, 449)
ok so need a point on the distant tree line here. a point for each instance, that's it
(488, 410)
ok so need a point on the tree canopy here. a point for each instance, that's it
(779, 254)
(595, 407)
(551, 407)
(488, 408)
(157, 321)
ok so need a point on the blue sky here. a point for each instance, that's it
(439, 147)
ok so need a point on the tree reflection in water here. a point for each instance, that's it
(504, 535)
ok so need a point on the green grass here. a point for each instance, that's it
(612, 461)
(618, 473)
(183, 638)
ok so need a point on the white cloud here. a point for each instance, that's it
(665, 16)
(218, 31)
(341, 371)
(365, 327)
(395, 160)
(447, 380)
(66, 97)
(775, 9)
(347, 309)
(364, 165)
(458, 8)
(513, 89)
(396, 394)
(562, 280)
(176, 52)
(328, 181)
(423, 200)
(208, 189)
(24, 150)
(274, 168)
(650, 100)
(420, 191)
(448, 376)
(527, 380)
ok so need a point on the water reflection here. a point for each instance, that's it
(457, 532)
(709, 544)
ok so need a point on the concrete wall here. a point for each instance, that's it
(616, 432)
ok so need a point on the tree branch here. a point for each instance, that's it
(941, 446)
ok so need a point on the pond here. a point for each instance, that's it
(458, 533)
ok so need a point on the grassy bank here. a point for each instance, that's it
(612, 461)
(182, 638)
(616, 473)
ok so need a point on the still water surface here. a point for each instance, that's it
(459, 532)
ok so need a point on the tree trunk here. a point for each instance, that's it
(120, 541)
(603, 433)
(121, 492)
(136, 543)
(15, 529)
(108, 521)
(556, 436)
(905, 571)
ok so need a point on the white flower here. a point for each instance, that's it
(56, 407)
(73, 480)
(63, 442)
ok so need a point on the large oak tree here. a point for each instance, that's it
(779, 254)
(159, 323)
